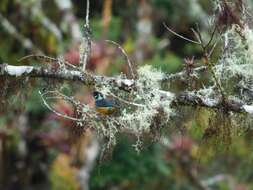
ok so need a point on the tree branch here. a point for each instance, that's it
(85, 47)
(64, 74)
(186, 98)
(182, 74)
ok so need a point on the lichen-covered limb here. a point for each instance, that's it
(248, 108)
(87, 79)
(218, 103)
(182, 74)
(64, 74)
(85, 47)
(185, 98)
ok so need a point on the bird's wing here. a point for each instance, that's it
(104, 103)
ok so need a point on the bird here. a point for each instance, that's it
(103, 106)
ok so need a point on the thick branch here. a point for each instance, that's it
(228, 105)
(185, 98)
(64, 74)
(182, 74)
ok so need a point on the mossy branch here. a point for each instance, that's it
(185, 98)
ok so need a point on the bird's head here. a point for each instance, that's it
(98, 95)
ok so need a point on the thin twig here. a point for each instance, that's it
(91, 113)
(180, 36)
(56, 92)
(49, 59)
(129, 63)
(210, 66)
(87, 13)
(207, 58)
(214, 46)
(56, 112)
(182, 74)
(196, 35)
(212, 36)
(199, 34)
(127, 102)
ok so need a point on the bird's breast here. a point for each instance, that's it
(106, 110)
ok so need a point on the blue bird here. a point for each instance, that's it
(103, 105)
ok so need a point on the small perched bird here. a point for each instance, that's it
(103, 105)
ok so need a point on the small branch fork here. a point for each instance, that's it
(58, 95)
(129, 63)
(86, 116)
(206, 53)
